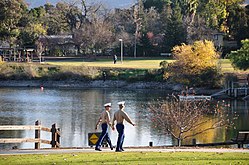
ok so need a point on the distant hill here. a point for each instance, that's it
(108, 3)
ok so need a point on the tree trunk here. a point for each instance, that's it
(179, 142)
(179, 139)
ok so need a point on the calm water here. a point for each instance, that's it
(76, 111)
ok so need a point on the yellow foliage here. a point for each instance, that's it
(196, 57)
(38, 28)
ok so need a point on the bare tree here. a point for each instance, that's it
(184, 119)
(93, 36)
(95, 33)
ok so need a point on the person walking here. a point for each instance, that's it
(115, 58)
(104, 75)
(119, 117)
(105, 120)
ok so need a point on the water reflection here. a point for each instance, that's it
(75, 111)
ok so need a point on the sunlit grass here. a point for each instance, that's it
(139, 63)
(129, 158)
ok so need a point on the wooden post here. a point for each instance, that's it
(194, 142)
(37, 135)
(58, 137)
(235, 92)
(54, 136)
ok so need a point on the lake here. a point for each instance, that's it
(75, 111)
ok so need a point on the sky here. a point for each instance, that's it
(108, 3)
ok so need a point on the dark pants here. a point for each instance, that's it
(120, 129)
(104, 135)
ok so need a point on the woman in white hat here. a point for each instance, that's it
(105, 120)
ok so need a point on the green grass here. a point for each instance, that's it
(132, 158)
(138, 63)
(128, 63)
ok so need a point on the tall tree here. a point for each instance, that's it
(55, 20)
(240, 58)
(96, 33)
(32, 25)
(29, 35)
(10, 14)
(188, 8)
(174, 30)
(124, 24)
(158, 4)
(238, 23)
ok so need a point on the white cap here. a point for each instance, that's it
(108, 105)
(121, 103)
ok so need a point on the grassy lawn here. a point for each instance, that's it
(138, 63)
(132, 158)
(129, 63)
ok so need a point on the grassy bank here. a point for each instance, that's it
(138, 63)
(131, 158)
(139, 69)
(73, 71)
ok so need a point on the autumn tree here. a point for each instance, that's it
(185, 119)
(240, 58)
(195, 64)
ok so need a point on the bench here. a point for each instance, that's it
(242, 138)
(166, 54)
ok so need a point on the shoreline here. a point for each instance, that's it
(102, 84)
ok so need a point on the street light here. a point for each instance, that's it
(121, 50)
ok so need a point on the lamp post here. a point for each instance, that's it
(121, 50)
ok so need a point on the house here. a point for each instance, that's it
(57, 45)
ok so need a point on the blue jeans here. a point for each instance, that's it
(120, 129)
(104, 135)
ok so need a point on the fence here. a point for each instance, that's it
(55, 138)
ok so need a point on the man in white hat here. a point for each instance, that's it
(105, 120)
(119, 116)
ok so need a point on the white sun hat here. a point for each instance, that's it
(108, 105)
(121, 103)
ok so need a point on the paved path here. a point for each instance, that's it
(60, 151)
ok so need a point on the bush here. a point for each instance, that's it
(75, 72)
(210, 77)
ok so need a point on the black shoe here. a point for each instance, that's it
(111, 147)
(98, 149)
(121, 149)
(118, 151)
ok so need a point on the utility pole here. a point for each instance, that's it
(138, 24)
(136, 19)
